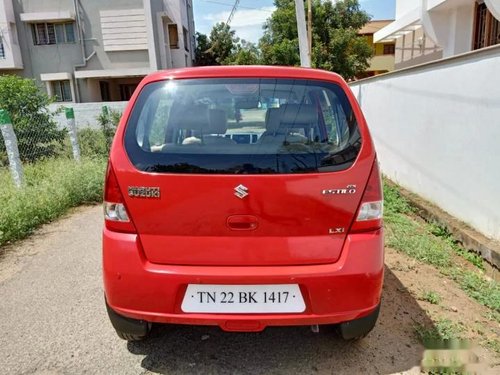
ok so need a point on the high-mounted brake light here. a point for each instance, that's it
(115, 212)
(371, 209)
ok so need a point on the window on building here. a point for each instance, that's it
(173, 35)
(126, 91)
(62, 91)
(487, 27)
(389, 49)
(53, 33)
(2, 50)
(186, 38)
(105, 94)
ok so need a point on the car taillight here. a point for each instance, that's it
(371, 209)
(116, 217)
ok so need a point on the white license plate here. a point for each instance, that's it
(240, 299)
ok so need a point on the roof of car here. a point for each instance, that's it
(242, 72)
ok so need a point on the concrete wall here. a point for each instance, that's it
(9, 37)
(90, 12)
(86, 113)
(405, 6)
(437, 132)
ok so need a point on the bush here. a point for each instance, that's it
(37, 133)
(52, 187)
(108, 121)
(92, 142)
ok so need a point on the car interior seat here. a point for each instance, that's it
(217, 128)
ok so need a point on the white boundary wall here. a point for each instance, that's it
(85, 113)
(436, 128)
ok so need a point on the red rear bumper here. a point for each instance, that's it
(333, 293)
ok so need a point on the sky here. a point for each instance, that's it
(251, 14)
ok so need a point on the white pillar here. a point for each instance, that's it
(10, 140)
(70, 117)
(305, 59)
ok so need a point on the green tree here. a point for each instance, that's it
(37, 133)
(222, 42)
(203, 55)
(336, 45)
(244, 53)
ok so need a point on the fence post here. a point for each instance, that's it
(10, 140)
(70, 117)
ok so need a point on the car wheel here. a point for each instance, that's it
(127, 328)
(359, 328)
(132, 337)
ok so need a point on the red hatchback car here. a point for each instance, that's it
(243, 197)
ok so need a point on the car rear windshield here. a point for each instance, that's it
(247, 126)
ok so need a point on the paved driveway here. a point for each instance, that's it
(53, 321)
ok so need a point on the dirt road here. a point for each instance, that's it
(53, 321)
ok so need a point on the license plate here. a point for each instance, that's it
(240, 299)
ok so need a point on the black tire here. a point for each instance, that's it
(127, 328)
(131, 337)
(359, 328)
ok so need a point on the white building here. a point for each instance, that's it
(94, 50)
(426, 30)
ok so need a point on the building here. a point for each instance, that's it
(427, 30)
(92, 50)
(383, 58)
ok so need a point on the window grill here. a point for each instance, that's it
(487, 32)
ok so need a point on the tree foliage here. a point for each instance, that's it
(244, 53)
(203, 55)
(37, 133)
(222, 47)
(222, 42)
(336, 45)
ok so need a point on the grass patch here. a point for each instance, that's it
(52, 187)
(443, 330)
(431, 297)
(434, 245)
(493, 344)
(405, 234)
(447, 237)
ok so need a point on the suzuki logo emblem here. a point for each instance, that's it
(241, 191)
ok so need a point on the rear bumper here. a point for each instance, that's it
(343, 291)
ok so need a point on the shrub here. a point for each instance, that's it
(92, 142)
(108, 121)
(37, 133)
(52, 187)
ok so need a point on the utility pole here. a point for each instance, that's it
(230, 18)
(309, 27)
(305, 60)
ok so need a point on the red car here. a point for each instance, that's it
(203, 227)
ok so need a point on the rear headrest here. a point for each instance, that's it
(298, 114)
(191, 117)
(217, 121)
(273, 119)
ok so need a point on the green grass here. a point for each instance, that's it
(51, 188)
(442, 330)
(431, 297)
(434, 245)
(493, 344)
(443, 232)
